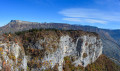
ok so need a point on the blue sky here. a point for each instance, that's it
(100, 13)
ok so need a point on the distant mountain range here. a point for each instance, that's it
(110, 38)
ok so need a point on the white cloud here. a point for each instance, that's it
(85, 20)
(73, 19)
(96, 21)
(91, 15)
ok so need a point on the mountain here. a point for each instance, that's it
(53, 50)
(110, 38)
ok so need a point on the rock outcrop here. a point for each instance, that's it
(85, 51)
(12, 57)
(48, 51)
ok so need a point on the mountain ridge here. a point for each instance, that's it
(19, 21)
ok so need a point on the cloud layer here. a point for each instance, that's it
(90, 15)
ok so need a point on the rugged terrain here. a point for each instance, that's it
(45, 49)
(53, 50)
(110, 38)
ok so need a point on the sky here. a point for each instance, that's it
(99, 13)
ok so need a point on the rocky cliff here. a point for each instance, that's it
(107, 36)
(48, 49)
(12, 55)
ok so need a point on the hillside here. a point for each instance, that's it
(36, 50)
(110, 38)
(53, 50)
(101, 64)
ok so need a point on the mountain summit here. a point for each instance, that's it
(21, 22)
(15, 21)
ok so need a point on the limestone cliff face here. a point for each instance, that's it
(84, 49)
(12, 57)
